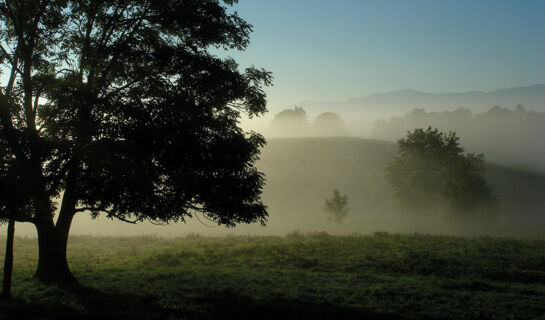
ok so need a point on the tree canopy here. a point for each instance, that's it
(431, 169)
(329, 124)
(118, 107)
(290, 122)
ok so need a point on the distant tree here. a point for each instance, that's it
(416, 112)
(329, 124)
(499, 111)
(520, 109)
(459, 113)
(431, 168)
(118, 108)
(337, 207)
(290, 122)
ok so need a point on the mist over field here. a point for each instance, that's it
(311, 151)
(302, 172)
(322, 135)
(361, 113)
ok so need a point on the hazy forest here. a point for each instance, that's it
(224, 159)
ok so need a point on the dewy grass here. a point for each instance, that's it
(298, 276)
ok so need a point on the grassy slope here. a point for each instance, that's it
(318, 276)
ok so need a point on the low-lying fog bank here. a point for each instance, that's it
(302, 173)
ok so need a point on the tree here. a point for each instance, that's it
(431, 168)
(118, 108)
(329, 124)
(337, 207)
(290, 123)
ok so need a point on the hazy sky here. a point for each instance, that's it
(334, 50)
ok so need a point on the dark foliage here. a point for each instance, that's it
(118, 107)
(431, 170)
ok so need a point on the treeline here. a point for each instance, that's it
(506, 136)
(295, 123)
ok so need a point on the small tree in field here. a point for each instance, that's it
(336, 206)
(431, 168)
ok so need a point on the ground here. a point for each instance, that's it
(300, 276)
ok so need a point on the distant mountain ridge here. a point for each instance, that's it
(360, 113)
(531, 97)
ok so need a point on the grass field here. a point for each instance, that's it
(312, 276)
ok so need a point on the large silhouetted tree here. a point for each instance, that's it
(431, 168)
(118, 107)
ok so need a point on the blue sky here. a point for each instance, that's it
(334, 50)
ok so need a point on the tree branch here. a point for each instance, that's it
(12, 62)
(9, 130)
(204, 224)
(128, 221)
(124, 36)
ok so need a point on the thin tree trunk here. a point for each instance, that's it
(8, 261)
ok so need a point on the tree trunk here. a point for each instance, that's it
(52, 262)
(8, 261)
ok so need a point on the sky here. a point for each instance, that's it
(335, 50)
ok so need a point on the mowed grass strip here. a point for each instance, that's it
(382, 276)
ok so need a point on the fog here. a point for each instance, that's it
(360, 113)
(511, 137)
(314, 148)
(302, 172)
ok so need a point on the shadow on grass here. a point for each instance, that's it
(95, 304)
(90, 304)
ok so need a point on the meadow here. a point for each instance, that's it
(298, 276)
